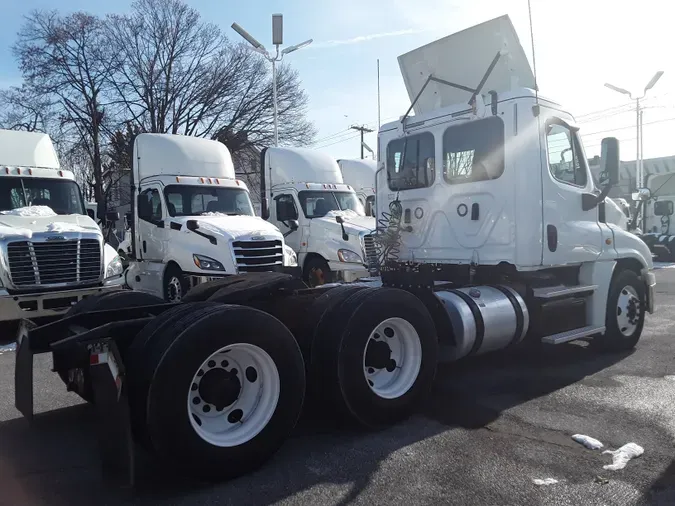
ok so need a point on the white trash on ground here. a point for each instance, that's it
(587, 441)
(545, 481)
(621, 456)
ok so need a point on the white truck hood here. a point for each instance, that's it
(231, 227)
(27, 225)
(353, 223)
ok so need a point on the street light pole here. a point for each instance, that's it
(639, 176)
(277, 40)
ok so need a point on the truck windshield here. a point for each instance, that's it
(316, 204)
(61, 195)
(184, 200)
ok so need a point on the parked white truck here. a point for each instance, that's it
(192, 220)
(52, 254)
(321, 216)
(360, 175)
(506, 245)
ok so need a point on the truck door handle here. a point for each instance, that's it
(475, 211)
(145, 249)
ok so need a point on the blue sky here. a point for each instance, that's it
(580, 44)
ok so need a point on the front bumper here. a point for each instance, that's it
(348, 272)
(650, 283)
(39, 305)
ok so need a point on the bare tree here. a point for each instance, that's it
(65, 60)
(176, 73)
(23, 109)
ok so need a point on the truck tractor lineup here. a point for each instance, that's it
(192, 220)
(490, 236)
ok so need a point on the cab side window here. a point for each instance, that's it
(286, 209)
(150, 206)
(565, 158)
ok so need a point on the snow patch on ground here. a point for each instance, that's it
(587, 441)
(545, 481)
(4, 348)
(664, 265)
(30, 211)
(621, 456)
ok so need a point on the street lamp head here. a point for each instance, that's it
(247, 36)
(616, 88)
(656, 77)
(290, 49)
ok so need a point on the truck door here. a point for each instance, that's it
(281, 213)
(571, 234)
(151, 232)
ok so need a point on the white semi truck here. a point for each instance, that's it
(52, 254)
(503, 246)
(360, 175)
(321, 216)
(192, 220)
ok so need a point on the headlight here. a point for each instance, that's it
(346, 255)
(208, 264)
(115, 268)
(290, 258)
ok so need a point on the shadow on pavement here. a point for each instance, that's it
(55, 461)
(662, 491)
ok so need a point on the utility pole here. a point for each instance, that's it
(363, 130)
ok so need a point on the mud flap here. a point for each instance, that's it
(114, 423)
(23, 370)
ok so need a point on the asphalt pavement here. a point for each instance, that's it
(492, 426)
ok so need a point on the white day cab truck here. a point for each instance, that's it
(52, 253)
(192, 220)
(655, 209)
(321, 216)
(488, 242)
(360, 175)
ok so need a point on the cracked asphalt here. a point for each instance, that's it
(491, 426)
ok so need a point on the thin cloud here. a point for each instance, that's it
(365, 38)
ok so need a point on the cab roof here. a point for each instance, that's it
(27, 149)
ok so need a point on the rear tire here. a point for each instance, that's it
(375, 357)
(224, 446)
(625, 317)
(78, 380)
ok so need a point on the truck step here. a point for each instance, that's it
(554, 292)
(571, 335)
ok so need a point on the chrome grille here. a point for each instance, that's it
(54, 262)
(258, 256)
(370, 251)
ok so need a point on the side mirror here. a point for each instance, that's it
(339, 220)
(609, 160)
(293, 225)
(641, 195)
(100, 210)
(112, 216)
(265, 209)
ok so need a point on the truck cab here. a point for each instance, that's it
(52, 253)
(193, 220)
(493, 181)
(320, 215)
(360, 175)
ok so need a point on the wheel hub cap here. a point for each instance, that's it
(220, 387)
(628, 311)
